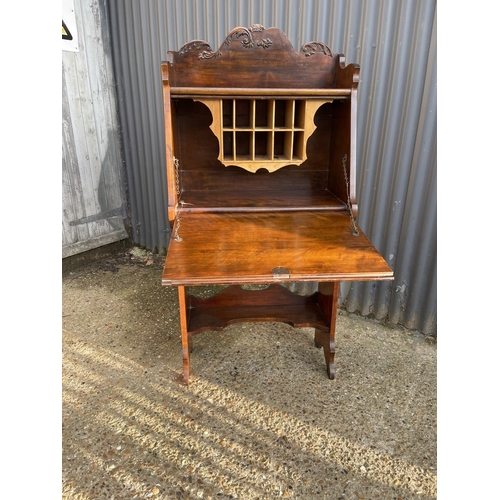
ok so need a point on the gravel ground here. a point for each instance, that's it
(260, 418)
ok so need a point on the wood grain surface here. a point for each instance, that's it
(245, 247)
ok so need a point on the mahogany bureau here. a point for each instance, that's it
(261, 172)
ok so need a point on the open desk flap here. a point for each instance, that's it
(243, 247)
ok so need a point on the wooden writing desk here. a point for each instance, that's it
(260, 144)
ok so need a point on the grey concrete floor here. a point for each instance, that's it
(260, 418)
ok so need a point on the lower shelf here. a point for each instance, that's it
(235, 305)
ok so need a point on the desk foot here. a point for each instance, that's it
(325, 340)
(328, 297)
(180, 379)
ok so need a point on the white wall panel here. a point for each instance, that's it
(93, 205)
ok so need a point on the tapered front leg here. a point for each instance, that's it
(186, 341)
(328, 296)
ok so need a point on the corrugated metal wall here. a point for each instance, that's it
(395, 44)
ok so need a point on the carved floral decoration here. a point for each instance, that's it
(244, 35)
(311, 48)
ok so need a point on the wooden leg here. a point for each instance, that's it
(328, 296)
(186, 340)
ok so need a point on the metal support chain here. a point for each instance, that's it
(177, 220)
(177, 178)
(354, 229)
(177, 223)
